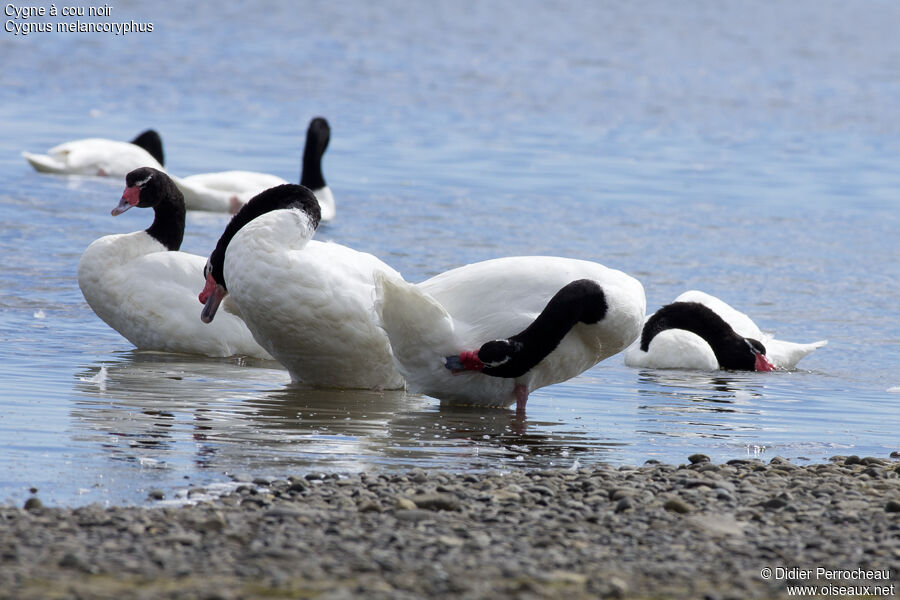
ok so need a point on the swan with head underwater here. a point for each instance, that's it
(490, 333)
(142, 286)
(700, 331)
(309, 303)
(102, 157)
(227, 191)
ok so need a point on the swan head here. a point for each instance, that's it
(212, 295)
(288, 196)
(492, 355)
(135, 183)
(149, 188)
(760, 361)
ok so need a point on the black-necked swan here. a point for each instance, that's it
(144, 288)
(310, 304)
(98, 156)
(227, 191)
(490, 333)
(700, 331)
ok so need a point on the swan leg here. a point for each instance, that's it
(234, 205)
(521, 392)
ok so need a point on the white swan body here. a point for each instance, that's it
(148, 295)
(681, 349)
(310, 304)
(468, 306)
(98, 156)
(143, 287)
(223, 191)
(228, 191)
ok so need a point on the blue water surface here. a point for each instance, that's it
(746, 149)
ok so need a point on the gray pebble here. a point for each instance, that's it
(601, 532)
(436, 501)
(775, 503)
(624, 504)
(414, 515)
(677, 505)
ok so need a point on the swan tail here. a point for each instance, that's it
(419, 328)
(785, 355)
(43, 163)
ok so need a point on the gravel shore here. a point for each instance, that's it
(698, 530)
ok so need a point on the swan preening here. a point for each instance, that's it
(97, 156)
(489, 333)
(142, 286)
(700, 331)
(227, 191)
(485, 334)
(308, 303)
(337, 317)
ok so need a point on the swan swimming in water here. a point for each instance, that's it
(98, 156)
(142, 286)
(309, 303)
(227, 191)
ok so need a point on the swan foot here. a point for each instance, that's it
(234, 205)
(521, 392)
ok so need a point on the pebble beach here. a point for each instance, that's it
(744, 529)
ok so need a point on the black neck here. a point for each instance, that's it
(152, 143)
(168, 211)
(731, 349)
(317, 137)
(581, 301)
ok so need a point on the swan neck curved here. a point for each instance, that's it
(730, 348)
(581, 301)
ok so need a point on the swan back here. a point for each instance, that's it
(465, 307)
(95, 156)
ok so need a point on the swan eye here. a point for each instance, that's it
(755, 346)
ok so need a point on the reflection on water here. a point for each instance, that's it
(183, 418)
(691, 403)
(169, 411)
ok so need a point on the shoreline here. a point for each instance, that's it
(695, 530)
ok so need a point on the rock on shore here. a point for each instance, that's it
(698, 530)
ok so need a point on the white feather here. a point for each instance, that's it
(679, 349)
(227, 191)
(149, 295)
(310, 304)
(468, 306)
(93, 156)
